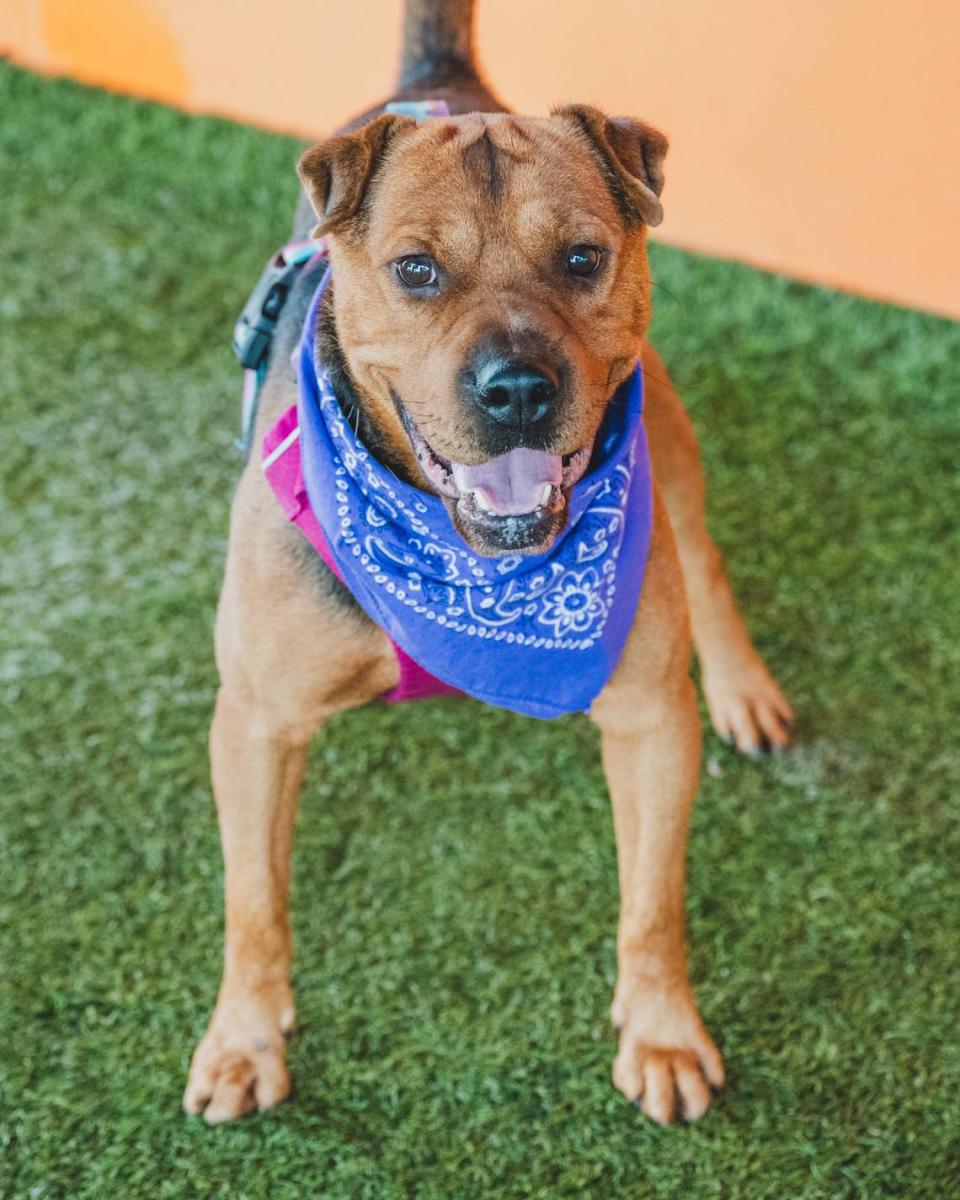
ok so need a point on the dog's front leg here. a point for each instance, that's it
(239, 1065)
(650, 731)
(664, 1048)
(745, 702)
(290, 656)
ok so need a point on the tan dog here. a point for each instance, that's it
(456, 243)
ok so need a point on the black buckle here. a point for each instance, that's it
(255, 326)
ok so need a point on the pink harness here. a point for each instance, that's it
(282, 467)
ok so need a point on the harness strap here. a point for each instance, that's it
(283, 468)
(420, 110)
(256, 325)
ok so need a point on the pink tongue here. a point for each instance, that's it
(513, 483)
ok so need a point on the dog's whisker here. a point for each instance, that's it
(662, 287)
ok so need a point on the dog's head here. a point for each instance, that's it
(491, 293)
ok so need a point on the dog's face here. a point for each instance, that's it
(490, 293)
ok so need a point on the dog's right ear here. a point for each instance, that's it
(337, 174)
(630, 154)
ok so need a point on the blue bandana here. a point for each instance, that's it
(539, 635)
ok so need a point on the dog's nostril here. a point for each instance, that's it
(496, 397)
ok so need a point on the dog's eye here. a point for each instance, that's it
(583, 260)
(417, 271)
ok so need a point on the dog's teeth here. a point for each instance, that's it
(481, 501)
(545, 494)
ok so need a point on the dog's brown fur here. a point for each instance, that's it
(494, 197)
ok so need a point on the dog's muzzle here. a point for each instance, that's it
(514, 502)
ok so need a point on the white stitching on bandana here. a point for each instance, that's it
(572, 604)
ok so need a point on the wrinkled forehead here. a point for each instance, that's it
(463, 178)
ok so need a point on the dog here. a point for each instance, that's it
(489, 302)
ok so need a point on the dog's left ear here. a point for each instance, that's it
(630, 154)
(337, 174)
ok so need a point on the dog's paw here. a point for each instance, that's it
(747, 708)
(667, 1063)
(238, 1066)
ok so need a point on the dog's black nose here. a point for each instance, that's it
(516, 394)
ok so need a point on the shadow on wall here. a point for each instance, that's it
(128, 45)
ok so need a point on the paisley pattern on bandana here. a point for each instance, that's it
(539, 635)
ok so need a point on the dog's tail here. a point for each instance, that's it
(437, 43)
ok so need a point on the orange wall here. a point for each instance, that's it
(821, 139)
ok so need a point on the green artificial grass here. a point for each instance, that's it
(455, 892)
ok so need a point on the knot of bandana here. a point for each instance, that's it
(539, 635)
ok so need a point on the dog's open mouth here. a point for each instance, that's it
(514, 503)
